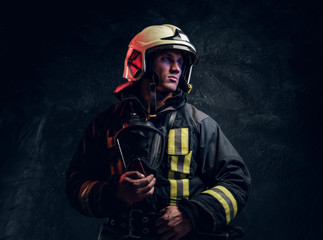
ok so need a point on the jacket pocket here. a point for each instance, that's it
(179, 141)
(178, 149)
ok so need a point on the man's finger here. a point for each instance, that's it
(134, 175)
(147, 188)
(144, 181)
(135, 178)
(150, 193)
(160, 221)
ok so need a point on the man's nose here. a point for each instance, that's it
(175, 68)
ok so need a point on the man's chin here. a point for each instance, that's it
(167, 89)
(163, 92)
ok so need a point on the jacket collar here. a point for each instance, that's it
(176, 102)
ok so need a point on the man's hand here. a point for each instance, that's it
(173, 224)
(134, 187)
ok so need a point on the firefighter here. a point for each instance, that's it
(153, 165)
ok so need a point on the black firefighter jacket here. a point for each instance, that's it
(201, 171)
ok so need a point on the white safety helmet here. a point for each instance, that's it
(153, 38)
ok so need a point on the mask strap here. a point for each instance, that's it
(171, 120)
(152, 89)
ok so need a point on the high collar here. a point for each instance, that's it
(173, 103)
(177, 101)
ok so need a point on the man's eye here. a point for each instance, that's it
(165, 58)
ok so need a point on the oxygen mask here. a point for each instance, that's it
(141, 146)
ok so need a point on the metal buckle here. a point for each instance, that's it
(131, 220)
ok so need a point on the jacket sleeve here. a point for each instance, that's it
(226, 177)
(90, 185)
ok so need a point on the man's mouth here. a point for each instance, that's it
(173, 79)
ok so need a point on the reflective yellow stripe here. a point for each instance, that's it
(187, 163)
(178, 189)
(173, 163)
(223, 203)
(83, 189)
(184, 141)
(183, 165)
(84, 195)
(110, 140)
(229, 203)
(119, 167)
(180, 161)
(182, 175)
(173, 192)
(112, 168)
(186, 190)
(116, 167)
(171, 142)
(176, 175)
(230, 196)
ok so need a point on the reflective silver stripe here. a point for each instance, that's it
(178, 141)
(180, 163)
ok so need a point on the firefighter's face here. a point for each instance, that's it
(167, 66)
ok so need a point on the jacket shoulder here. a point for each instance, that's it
(196, 115)
(108, 113)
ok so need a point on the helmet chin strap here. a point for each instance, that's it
(186, 87)
(153, 95)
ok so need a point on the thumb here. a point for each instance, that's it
(135, 175)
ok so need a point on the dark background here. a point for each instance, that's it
(259, 76)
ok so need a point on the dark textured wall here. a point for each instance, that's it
(258, 76)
